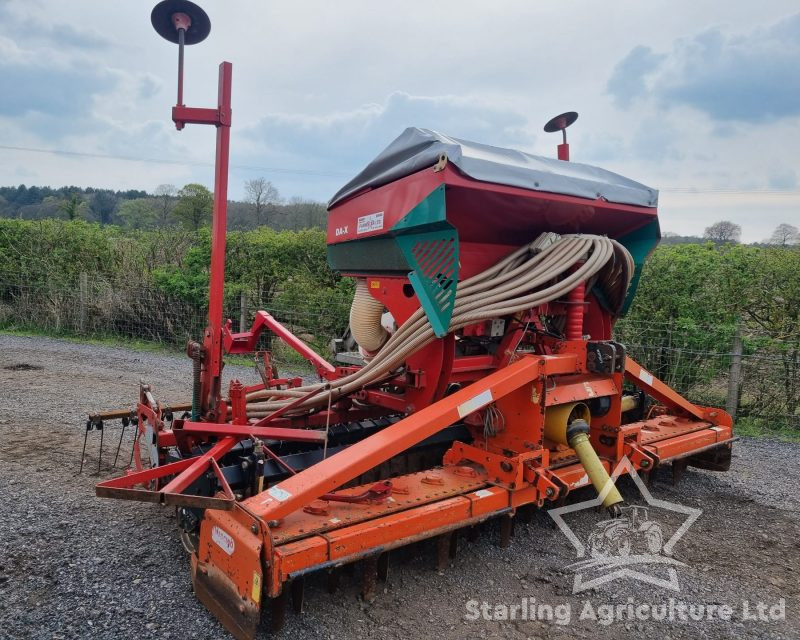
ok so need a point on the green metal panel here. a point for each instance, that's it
(434, 258)
(430, 245)
(370, 255)
(640, 243)
(431, 211)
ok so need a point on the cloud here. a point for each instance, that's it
(347, 141)
(751, 77)
(335, 146)
(33, 23)
(61, 92)
(627, 80)
(784, 178)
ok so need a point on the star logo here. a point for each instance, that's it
(631, 546)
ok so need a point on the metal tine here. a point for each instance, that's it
(83, 451)
(99, 426)
(383, 566)
(133, 443)
(506, 531)
(369, 578)
(333, 580)
(277, 606)
(678, 467)
(119, 444)
(453, 551)
(443, 544)
(298, 594)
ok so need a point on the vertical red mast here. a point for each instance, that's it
(184, 23)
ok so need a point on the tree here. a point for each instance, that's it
(784, 235)
(165, 194)
(74, 206)
(261, 193)
(723, 232)
(138, 213)
(103, 204)
(194, 206)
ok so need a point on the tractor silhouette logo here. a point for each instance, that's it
(636, 545)
(632, 533)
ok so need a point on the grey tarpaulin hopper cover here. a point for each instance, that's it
(417, 149)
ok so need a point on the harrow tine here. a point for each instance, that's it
(83, 451)
(443, 544)
(298, 594)
(133, 446)
(332, 582)
(678, 467)
(277, 608)
(506, 531)
(119, 444)
(369, 578)
(383, 566)
(100, 457)
(453, 551)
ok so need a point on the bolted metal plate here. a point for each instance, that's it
(213, 588)
(417, 489)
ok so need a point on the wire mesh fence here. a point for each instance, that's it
(733, 366)
(752, 374)
(97, 308)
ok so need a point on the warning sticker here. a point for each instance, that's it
(370, 222)
(645, 377)
(255, 594)
(281, 495)
(475, 403)
(223, 540)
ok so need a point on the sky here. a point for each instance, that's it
(700, 99)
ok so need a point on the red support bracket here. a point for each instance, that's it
(185, 472)
(245, 342)
(645, 380)
(182, 115)
(238, 402)
(240, 431)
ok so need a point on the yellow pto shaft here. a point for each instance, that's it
(568, 424)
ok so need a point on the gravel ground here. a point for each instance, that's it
(74, 566)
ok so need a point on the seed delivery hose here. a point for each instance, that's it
(539, 272)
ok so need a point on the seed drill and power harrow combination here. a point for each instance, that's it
(484, 381)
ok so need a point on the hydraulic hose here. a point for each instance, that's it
(544, 270)
(365, 319)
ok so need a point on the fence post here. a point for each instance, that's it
(83, 284)
(735, 373)
(242, 311)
